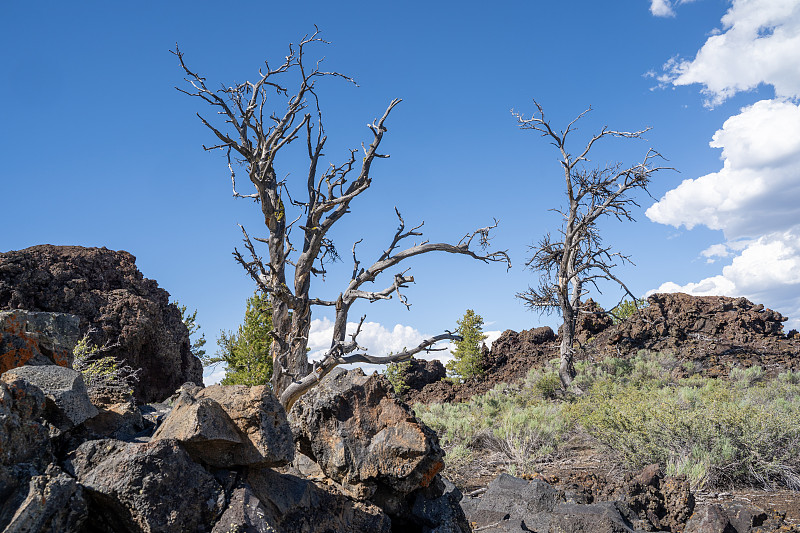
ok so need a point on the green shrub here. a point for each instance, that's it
(545, 383)
(790, 377)
(396, 374)
(627, 309)
(519, 428)
(746, 377)
(103, 372)
(717, 432)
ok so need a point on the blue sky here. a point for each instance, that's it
(99, 149)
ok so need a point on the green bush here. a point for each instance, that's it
(103, 372)
(790, 377)
(716, 432)
(507, 422)
(627, 309)
(746, 377)
(544, 383)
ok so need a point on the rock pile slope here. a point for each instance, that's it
(217, 459)
(716, 333)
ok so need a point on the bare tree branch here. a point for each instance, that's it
(333, 359)
(254, 122)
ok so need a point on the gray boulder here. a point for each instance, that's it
(230, 425)
(520, 497)
(366, 440)
(23, 439)
(296, 504)
(260, 419)
(439, 511)
(53, 503)
(245, 514)
(25, 449)
(36, 338)
(602, 517)
(152, 487)
(121, 421)
(206, 432)
(726, 518)
(68, 402)
(512, 504)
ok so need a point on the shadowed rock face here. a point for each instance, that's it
(150, 487)
(121, 310)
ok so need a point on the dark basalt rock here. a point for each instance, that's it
(421, 372)
(296, 504)
(679, 317)
(363, 438)
(152, 487)
(373, 447)
(123, 312)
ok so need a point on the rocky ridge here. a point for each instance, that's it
(126, 315)
(715, 333)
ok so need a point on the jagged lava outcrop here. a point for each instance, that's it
(125, 314)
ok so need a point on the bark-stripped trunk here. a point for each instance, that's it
(566, 368)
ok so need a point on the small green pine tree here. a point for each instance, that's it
(246, 352)
(467, 355)
(396, 374)
(193, 327)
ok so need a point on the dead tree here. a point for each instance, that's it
(256, 121)
(577, 259)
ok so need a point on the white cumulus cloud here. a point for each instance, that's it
(757, 190)
(759, 43)
(715, 251)
(665, 8)
(754, 199)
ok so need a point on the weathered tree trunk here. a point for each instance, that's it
(566, 370)
(250, 133)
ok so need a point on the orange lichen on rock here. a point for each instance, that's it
(430, 474)
(18, 347)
